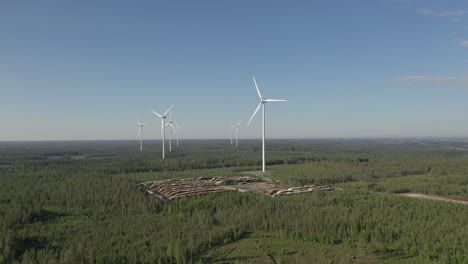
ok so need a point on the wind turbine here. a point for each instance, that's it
(140, 133)
(170, 124)
(163, 126)
(262, 104)
(236, 129)
(176, 132)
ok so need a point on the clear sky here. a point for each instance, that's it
(77, 70)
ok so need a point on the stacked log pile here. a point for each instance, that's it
(302, 189)
(177, 189)
(233, 180)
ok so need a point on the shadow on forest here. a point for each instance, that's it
(52, 216)
(44, 216)
(22, 245)
(212, 259)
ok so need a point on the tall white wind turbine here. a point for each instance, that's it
(163, 126)
(235, 129)
(140, 133)
(262, 104)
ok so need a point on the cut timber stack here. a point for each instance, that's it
(302, 189)
(177, 189)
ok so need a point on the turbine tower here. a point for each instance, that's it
(262, 104)
(231, 131)
(140, 133)
(163, 126)
(236, 129)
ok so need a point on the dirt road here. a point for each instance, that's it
(435, 197)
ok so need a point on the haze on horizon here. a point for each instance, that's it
(85, 70)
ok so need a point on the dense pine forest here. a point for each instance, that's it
(77, 202)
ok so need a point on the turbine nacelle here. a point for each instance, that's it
(171, 125)
(141, 124)
(163, 116)
(235, 126)
(262, 101)
(272, 100)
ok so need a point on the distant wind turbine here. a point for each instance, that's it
(170, 124)
(140, 133)
(163, 126)
(177, 131)
(235, 128)
(262, 104)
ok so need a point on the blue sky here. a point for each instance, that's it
(82, 70)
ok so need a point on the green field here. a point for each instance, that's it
(77, 202)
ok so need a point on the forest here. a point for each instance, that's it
(77, 202)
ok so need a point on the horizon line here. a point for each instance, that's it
(278, 138)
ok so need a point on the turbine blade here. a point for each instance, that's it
(258, 90)
(239, 123)
(157, 114)
(256, 110)
(274, 100)
(138, 122)
(168, 110)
